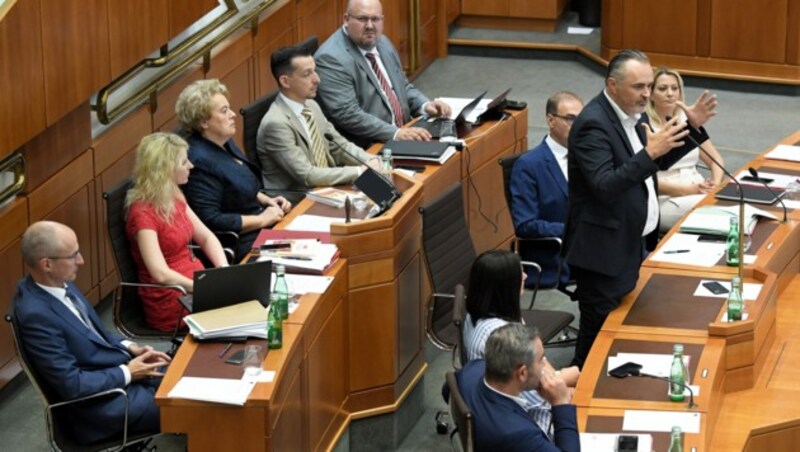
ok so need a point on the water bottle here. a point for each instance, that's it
(281, 289)
(676, 440)
(386, 161)
(732, 244)
(735, 304)
(677, 374)
(274, 324)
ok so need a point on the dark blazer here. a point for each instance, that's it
(502, 425)
(539, 209)
(607, 192)
(74, 363)
(220, 190)
(351, 95)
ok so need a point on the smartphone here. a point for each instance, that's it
(625, 370)
(237, 358)
(415, 168)
(759, 179)
(278, 245)
(627, 443)
(711, 238)
(715, 287)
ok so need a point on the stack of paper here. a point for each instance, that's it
(303, 284)
(785, 152)
(715, 220)
(311, 258)
(219, 390)
(333, 197)
(314, 223)
(243, 319)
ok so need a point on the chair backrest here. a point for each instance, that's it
(460, 413)
(252, 114)
(507, 164)
(129, 315)
(459, 316)
(57, 435)
(449, 253)
(311, 44)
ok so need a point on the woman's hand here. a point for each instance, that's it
(270, 216)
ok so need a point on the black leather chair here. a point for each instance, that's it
(129, 315)
(459, 317)
(551, 245)
(58, 432)
(461, 414)
(449, 254)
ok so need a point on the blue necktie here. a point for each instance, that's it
(84, 315)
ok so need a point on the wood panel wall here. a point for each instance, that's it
(747, 39)
(55, 54)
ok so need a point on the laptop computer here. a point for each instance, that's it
(439, 127)
(220, 287)
(495, 108)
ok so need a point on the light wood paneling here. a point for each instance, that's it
(13, 221)
(75, 53)
(276, 31)
(290, 431)
(54, 148)
(753, 30)
(119, 140)
(485, 8)
(238, 82)
(183, 13)
(130, 40)
(646, 25)
(22, 109)
(317, 18)
(536, 9)
(165, 113)
(793, 33)
(372, 360)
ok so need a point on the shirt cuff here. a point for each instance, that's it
(394, 137)
(421, 111)
(126, 373)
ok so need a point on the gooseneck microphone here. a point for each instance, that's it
(739, 188)
(754, 173)
(689, 405)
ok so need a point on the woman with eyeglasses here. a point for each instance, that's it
(682, 186)
(160, 227)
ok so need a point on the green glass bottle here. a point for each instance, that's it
(274, 324)
(282, 290)
(732, 243)
(735, 303)
(676, 440)
(677, 374)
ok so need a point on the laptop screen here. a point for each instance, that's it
(219, 287)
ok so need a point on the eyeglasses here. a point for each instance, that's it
(366, 19)
(568, 118)
(73, 256)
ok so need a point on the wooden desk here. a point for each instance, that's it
(609, 420)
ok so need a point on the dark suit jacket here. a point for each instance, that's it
(607, 192)
(502, 425)
(539, 209)
(220, 190)
(74, 363)
(351, 95)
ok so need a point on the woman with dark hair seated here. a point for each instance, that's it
(224, 188)
(496, 282)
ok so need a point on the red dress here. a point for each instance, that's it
(161, 306)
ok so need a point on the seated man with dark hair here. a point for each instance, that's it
(69, 348)
(292, 140)
(539, 191)
(492, 389)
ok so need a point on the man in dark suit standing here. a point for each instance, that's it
(72, 351)
(613, 208)
(363, 89)
(492, 389)
(539, 191)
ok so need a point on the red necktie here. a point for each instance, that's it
(397, 109)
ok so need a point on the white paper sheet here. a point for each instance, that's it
(652, 363)
(219, 390)
(579, 30)
(779, 180)
(702, 254)
(303, 284)
(785, 152)
(315, 223)
(607, 442)
(751, 290)
(458, 103)
(660, 421)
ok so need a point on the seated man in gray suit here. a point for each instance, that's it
(364, 90)
(293, 139)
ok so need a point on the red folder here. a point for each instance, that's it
(283, 234)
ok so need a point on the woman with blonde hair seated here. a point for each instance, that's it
(682, 186)
(225, 187)
(160, 226)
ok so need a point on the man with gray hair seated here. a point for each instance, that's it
(492, 387)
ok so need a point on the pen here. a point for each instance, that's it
(676, 251)
(225, 350)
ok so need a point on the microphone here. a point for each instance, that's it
(739, 188)
(754, 173)
(383, 197)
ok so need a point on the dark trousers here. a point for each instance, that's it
(597, 296)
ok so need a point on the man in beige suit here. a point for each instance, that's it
(292, 141)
